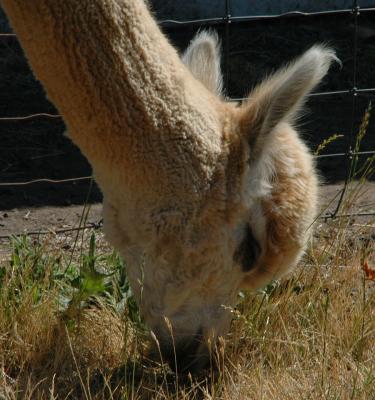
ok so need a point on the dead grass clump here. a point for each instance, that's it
(97, 338)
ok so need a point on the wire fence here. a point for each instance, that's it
(226, 21)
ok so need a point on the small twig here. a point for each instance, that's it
(93, 225)
(332, 216)
(365, 225)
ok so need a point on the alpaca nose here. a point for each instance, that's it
(188, 354)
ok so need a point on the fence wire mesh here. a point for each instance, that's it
(226, 22)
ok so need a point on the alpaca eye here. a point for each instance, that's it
(247, 253)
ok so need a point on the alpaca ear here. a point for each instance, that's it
(202, 58)
(280, 97)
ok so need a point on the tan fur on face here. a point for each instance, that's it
(183, 173)
(288, 208)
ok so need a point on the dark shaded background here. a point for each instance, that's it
(35, 148)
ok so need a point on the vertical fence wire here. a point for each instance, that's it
(227, 19)
(354, 93)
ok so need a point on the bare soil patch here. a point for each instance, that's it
(20, 220)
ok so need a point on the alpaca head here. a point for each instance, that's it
(252, 226)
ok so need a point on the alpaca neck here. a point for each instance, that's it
(126, 98)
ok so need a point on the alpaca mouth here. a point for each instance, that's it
(190, 355)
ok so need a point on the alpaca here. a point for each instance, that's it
(201, 197)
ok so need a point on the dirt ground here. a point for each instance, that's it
(44, 219)
(61, 222)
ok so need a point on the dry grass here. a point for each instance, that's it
(69, 331)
